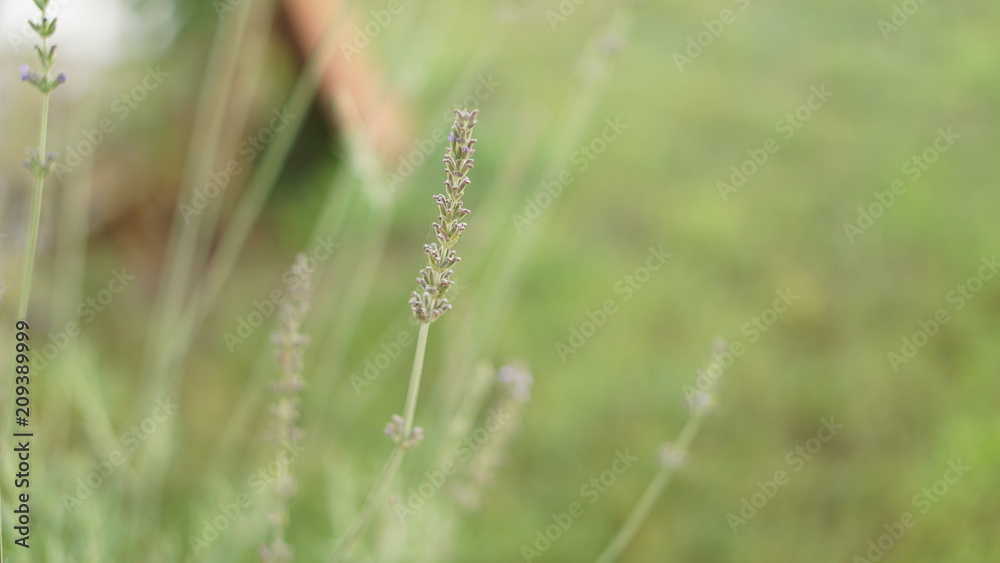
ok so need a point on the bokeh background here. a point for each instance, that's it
(695, 86)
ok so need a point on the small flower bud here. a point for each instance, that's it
(671, 457)
(702, 402)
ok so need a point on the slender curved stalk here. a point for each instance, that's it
(39, 166)
(176, 343)
(223, 59)
(377, 495)
(640, 512)
(211, 109)
(414, 389)
(36, 210)
(374, 499)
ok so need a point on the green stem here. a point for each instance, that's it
(377, 495)
(36, 216)
(211, 109)
(36, 208)
(176, 342)
(375, 498)
(414, 390)
(640, 512)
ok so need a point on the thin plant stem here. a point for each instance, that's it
(223, 60)
(175, 344)
(40, 170)
(414, 390)
(202, 150)
(640, 512)
(374, 499)
(36, 208)
(377, 495)
(73, 227)
(355, 298)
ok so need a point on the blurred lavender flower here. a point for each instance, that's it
(394, 430)
(46, 54)
(519, 382)
(516, 383)
(671, 457)
(701, 403)
(435, 279)
(38, 166)
(290, 346)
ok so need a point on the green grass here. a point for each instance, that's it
(656, 185)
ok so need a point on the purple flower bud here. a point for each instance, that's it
(25, 72)
(451, 136)
(61, 79)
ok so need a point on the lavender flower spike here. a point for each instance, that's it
(435, 278)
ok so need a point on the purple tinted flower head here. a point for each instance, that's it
(435, 279)
(518, 380)
(25, 72)
(61, 79)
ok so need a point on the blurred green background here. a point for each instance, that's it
(525, 289)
